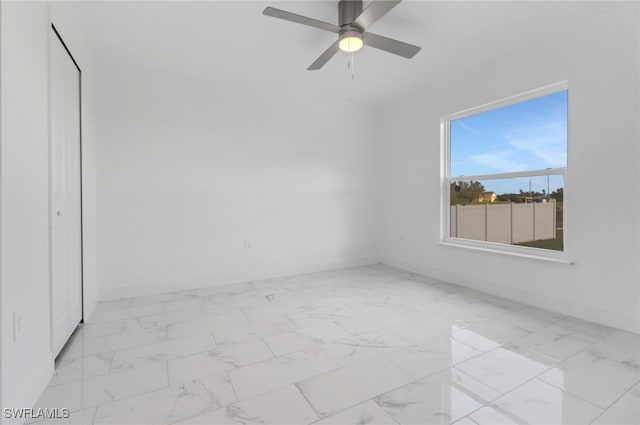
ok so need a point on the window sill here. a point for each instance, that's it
(545, 255)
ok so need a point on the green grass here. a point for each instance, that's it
(557, 243)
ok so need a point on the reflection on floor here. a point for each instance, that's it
(364, 345)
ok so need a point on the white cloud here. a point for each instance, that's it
(470, 129)
(547, 143)
(497, 161)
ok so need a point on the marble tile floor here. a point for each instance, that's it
(367, 345)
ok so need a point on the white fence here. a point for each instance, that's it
(504, 223)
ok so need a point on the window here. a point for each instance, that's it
(504, 174)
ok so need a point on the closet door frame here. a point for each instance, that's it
(82, 316)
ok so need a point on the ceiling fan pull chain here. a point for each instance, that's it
(353, 66)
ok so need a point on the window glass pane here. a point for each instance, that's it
(525, 211)
(530, 135)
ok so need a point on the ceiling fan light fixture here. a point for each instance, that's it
(350, 41)
(353, 22)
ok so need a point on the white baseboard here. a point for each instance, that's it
(88, 307)
(25, 394)
(570, 308)
(151, 288)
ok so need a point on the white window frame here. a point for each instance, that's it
(447, 179)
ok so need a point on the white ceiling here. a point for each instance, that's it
(232, 43)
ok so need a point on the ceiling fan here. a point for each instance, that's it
(351, 30)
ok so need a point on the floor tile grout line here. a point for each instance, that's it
(296, 382)
(165, 340)
(340, 367)
(376, 396)
(117, 400)
(95, 415)
(567, 359)
(310, 348)
(84, 325)
(590, 402)
(179, 293)
(492, 318)
(538, 376)
(150, 363)
(372, 399)
(375, 400)
(215, 341)
(110, 373)
(134, 316)
(313, 408)
(490, 404)
(235, 393)
(119, 349)
(502, 395)
(145, 392)
(234, 366)
(239, 400)
(163, 312)
(55, 372)
(466, 417)
(531, 332)
(166, 363)
(616, 400)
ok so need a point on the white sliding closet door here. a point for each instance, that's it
(65, 200)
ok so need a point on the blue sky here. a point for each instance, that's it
(530, 135)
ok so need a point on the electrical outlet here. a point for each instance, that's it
(402, 237)
(247, 246)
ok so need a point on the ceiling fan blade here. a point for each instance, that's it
(390, 45)
(299, 19)
(324, 57)
(375, 11)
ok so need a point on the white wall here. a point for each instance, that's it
(189, 170)
(26, 364)
(600, 59)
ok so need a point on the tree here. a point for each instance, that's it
(456, 198)
(509, 197)
(466, 192)
(558, 194)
